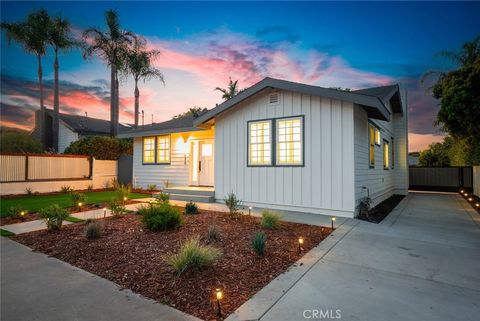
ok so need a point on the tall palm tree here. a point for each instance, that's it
(139, 65)
(33, 36)
(110, 45)
(60, 40)
(230, 91)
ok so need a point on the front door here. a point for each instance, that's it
(205, 165)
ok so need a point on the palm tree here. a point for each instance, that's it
(229, 92)
(139, 65)
(110, 45)
(60, 40)
(33, 36)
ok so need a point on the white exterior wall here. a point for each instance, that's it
(65, 137)
(325, 185)
(381, 183)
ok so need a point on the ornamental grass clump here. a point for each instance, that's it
(123, 192)
(213, 234)
(53, 216)
(193, 256)
(16, 211)
(259, 243)
(191, 208)
(270, 219)
(162, 197)
(160, 216)
(117, 207)
(78, 199)
(93, 230)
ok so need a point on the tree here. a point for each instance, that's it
(112, 46)
(139, 65)
(435, 155)
(60, 40)
(451, 152)
(192, 111)
(33, 36)
(18, 141)
(101, 147)
(230, 91)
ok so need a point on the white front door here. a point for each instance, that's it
(205, 165)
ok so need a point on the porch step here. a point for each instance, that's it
(192, 197)
(201, 191)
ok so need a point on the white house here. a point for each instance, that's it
(283, 145)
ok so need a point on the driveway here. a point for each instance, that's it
(421, 263)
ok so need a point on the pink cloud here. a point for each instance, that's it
(419, 142)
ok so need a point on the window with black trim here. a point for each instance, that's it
(156, 150)
(289, 141)
(148, 150)
(386, 154)
(371, 147)
(260, 143)
(393, 152)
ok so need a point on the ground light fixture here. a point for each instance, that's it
(477, 205)
(219, 297)
(470, 199)
(300, 243)
(333, 220)
(80, 204)
(466, 194)
(249, 210)
(461, 191)
(22, 214)
(104, 212)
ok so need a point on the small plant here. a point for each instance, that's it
(78, 198)
(123, 192)
(90, 187)
(364, 207)
(152, 188)
(259, 242)
(162, 197)
(65, 189)
(53, 216)
(160, 217)
(270, 219)
(93, 230)
(213, 234)
(116, 207)
(28, 191)
(16, 211)
(233, 204)
(193, 256)
(114, 184)
(191, 208)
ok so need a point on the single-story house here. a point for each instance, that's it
(282, 145)
(72, 127)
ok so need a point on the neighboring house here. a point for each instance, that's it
(413, 158)
(72, 127)
(285, 146)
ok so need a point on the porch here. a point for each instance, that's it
(203, 194)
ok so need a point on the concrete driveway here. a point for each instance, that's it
(421, 263)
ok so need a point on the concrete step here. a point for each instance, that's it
(202, 191)
(193, 198)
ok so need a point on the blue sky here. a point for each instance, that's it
(204, 43)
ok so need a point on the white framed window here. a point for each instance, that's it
(163, 149)
(260, 143)
(148, 150)
(289, 141)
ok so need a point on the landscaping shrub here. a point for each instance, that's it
(191, 208)
(65, 189)
(53, 216)
(152, 187)
(123, 191)
(90, 187)
(259, 242)
(101, 147)
(114, 184)
(160, 216)
(162, 197)
(233, 204)
(270, 219)
(28, 191)
(93, 230)
(78, 198)
(116, 206)
(16, 210)
(213, 234)
(13, 140)
(193, 256)
(364, 207)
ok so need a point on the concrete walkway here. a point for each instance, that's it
(421, 263)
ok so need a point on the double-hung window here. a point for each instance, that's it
(149, 150)
(260, 143)
(163, 149)
(289, 141)
(156, 150)
(371, 147)
(386, 154)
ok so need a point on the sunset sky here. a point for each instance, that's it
(352, 45)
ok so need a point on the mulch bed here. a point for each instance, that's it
(135, 258)
(379, 212)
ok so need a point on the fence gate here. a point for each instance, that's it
(448, 179)
(125, 169)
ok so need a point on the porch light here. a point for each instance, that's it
(219, 296)
(300, 243)
(333, 220)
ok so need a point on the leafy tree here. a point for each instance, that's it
(33, 36)
(230, 91)
(19, 141)
(112, 46)
(435, 155)
(451, 152)
(59, 37)
(101, 147)
(139, 65)
(192, 111)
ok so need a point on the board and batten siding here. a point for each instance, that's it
(381, 183)
(65, 137)
(324, 185)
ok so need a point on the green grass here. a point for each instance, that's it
(6, 233)
(72, 219)
(34, 203)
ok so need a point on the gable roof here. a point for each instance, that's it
(371, 102)
(84, 124)
(388, 94)
(180, 124)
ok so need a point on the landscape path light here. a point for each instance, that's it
(300, 244)
(333, 220)
(22, 215)
(104, 212)
(219, 297)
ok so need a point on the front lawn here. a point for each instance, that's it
(34, 203)
(138, 259)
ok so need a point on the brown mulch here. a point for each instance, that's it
(135, 258)
(379, 212)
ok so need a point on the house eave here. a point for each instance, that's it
(154, 132)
